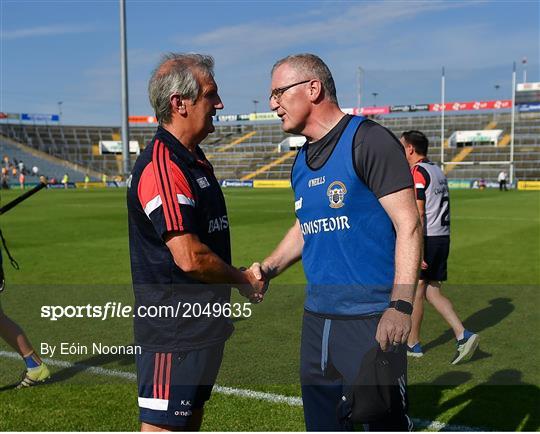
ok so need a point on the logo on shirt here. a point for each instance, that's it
(298, 204)
(203, 182)
(336, 193)
(316, 181)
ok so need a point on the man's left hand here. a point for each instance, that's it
(394, 328)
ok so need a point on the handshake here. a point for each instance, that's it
(256, 282)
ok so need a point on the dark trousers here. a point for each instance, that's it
(502, 184)
(330, 357)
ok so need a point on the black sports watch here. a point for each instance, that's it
(401, 306)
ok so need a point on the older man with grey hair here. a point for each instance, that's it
(180, 250)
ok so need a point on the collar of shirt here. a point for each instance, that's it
(422, 160)
(178, 149)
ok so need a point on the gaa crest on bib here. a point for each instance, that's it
(336, 193)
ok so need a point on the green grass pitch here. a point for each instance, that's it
(73, 249)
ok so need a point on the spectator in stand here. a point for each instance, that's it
(5, 161)
(482, 184)
(4, 179)
(65, 180)
(14, 171)
(35, 171)
(104, 178)
(21, 180)
(86, 181)
(502, 181)
(21, 167)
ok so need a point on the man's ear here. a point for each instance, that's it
(178, 104)
(315, 90)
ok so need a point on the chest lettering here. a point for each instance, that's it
(218, 224)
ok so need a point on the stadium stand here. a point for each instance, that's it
(244, 150)
(48, 166)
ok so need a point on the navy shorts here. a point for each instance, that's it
(331, 355)
(436, 251)
(172, 385)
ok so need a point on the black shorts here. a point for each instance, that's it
(331, 356)
(436, 250)
(172, 385)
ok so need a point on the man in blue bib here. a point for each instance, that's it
(359, 237)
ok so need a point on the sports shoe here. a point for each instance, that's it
(466, 347)
(415, 350)
(34, 376)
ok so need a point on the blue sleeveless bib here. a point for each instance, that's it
(349, 240)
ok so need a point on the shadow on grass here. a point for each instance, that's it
(14, 385)
(504, 402)
(490, 316)
(425, 397)
(8, 387)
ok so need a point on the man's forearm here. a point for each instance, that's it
(199, 262)
(210, 268)
(408, 257)
(421, 205)
(403, 212)
(288, 251)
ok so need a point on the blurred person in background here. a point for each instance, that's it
(433, 202)
(502, 181)
(36, 371)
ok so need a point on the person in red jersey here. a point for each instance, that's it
(433, 202)
(180, 250)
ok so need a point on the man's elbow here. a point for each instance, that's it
(188, 263)
(410, 228)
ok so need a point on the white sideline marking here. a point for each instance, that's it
(92, 369)
(292, 401)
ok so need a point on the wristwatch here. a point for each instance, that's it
(401, 306)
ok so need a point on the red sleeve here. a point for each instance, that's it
(165, 194)
(420, 182)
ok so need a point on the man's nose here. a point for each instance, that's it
(274, 104)
(219, 104)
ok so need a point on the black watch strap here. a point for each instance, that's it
(401, 306)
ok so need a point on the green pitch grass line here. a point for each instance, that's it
(292, 401)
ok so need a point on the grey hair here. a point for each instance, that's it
(175, 74)
(311, 66)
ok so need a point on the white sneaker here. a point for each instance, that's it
(466, 347)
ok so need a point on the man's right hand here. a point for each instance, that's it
(261, 274)
(260, 285)
(256, 288)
